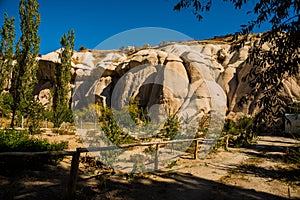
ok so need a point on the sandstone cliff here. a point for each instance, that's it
(191, 78)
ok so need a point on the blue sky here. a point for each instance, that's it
(95, 21)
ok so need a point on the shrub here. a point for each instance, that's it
(171, 127)
(111, 128)
(237, 134)
(5, 104)
(22, 141)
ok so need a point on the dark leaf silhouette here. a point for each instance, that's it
(271, 66)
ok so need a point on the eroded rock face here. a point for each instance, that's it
(156, 79)
(187, 79)
(162, 82)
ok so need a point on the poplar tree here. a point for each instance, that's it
(8, 35)
(24, 72)
(61, 89)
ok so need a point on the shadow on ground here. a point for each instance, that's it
(273, 150)
(51, 184)
(286, 175)
(168, 186)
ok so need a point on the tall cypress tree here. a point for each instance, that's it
(61, 90)
(24, 72)
(7, 34)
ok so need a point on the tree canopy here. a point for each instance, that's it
(19, 64)
(27, 48)
(8, 35)
(271, 67)
(61, 87)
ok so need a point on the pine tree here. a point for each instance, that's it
(24, 72)
(8, 35)
(61, 90)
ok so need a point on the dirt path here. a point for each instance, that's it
(258, 168)
(257, 172)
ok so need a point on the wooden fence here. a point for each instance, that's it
(76, 157)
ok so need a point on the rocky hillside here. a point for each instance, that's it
(189, 79)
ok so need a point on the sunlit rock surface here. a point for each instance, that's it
(190, 78)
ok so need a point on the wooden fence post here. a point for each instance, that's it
(73, 175)
(156, 158)
(227, 142)
(196, 150)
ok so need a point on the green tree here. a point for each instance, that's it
(24, 72)
(5, 104)
(61, 89)
(8, 35)
(271, 67)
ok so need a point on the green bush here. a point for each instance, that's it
(111, 128)
(5, 104)
(171, 126)
(239, 133)
(22, 141)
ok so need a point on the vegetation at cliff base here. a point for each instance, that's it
(22, 141)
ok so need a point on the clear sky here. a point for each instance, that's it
(94, 21)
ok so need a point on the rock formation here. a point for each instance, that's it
(189, 78)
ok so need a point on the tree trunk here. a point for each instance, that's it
(13, 119)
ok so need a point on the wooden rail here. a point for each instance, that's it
(31, 154)
(76, 157)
